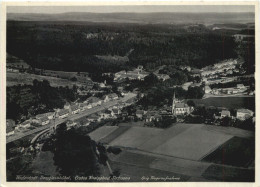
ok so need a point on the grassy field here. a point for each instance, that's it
(236, 152)
(228, 102)
(229, 174)
(137, 165)
(114, 134)
(102, 132)
(24, 78)
(192, 144)
(135, 136)
(164, 136)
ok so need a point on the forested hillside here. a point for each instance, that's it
(73, 46)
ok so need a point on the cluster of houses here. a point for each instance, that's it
(241, 114)
(239, 89)
(136, 74)
(45, 118)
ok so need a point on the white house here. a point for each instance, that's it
(67, 106)
(25, 124)
(63, 113)
(45, 120)
(94, 101)
(75, 109)
(207, 89)
(225, 113)
(243, 114)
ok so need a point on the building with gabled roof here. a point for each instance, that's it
(75, 109)
(225, 113)
(179, 108)
(63, 113)
(243, 114)
(44, 120)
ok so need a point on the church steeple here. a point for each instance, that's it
(173, 103)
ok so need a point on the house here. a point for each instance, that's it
(163, 77)
(71, 124)
(39, 116)
(240, 86)
(94, 101)
(67, 106)
(63, 113)
(106, 114)
(115, 112)
(94, 118)
(225, 113)
(9, 130)
(10, 125)
(207, 89)
(44, 120)
(50, 115)
(120, 88)
(75, 109)
(243, 114)
(150, 116)
(139, 114)
(140, 67)
(124, 93)
(113, 96)
(84, 106)
(25, 124)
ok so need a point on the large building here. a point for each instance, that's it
(179, 108)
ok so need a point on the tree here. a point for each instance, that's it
(74, 153)
(191, 103)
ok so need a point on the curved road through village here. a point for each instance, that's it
(71, 117)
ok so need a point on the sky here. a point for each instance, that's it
(136, 9)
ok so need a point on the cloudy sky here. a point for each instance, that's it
(137, 9)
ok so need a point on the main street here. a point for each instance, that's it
(58, 121)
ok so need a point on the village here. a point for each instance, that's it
(219, 73)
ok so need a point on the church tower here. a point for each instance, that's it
(173, 103)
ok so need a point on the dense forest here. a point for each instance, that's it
(77, 46)
(29, 100)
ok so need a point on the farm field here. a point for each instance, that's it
(228, 102)
(135, 136)
(192, 144)
(230, 153)
(229, 174)
(24, 78)
(114, 134)
(102, 132)
(192, 152)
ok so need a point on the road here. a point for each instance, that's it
(71, 117)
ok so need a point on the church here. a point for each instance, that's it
(179, 107)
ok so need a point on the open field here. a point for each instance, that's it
(24, 78)
(192, 144)
(223, 173)
(135, 136)
(228, 102)
(114, 134)
(165, 135)
(102, 132)
(230, 153)
(190, 152)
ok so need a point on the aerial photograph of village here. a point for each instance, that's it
(146, 93)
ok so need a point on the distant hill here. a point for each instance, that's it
(142, 18)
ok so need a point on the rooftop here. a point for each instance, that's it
(225, 112)
(243, 110)
(62, 112)
(181, 105)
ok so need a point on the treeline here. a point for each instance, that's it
(72, 46)
(29, 100)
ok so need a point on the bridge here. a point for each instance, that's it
(72, 117)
